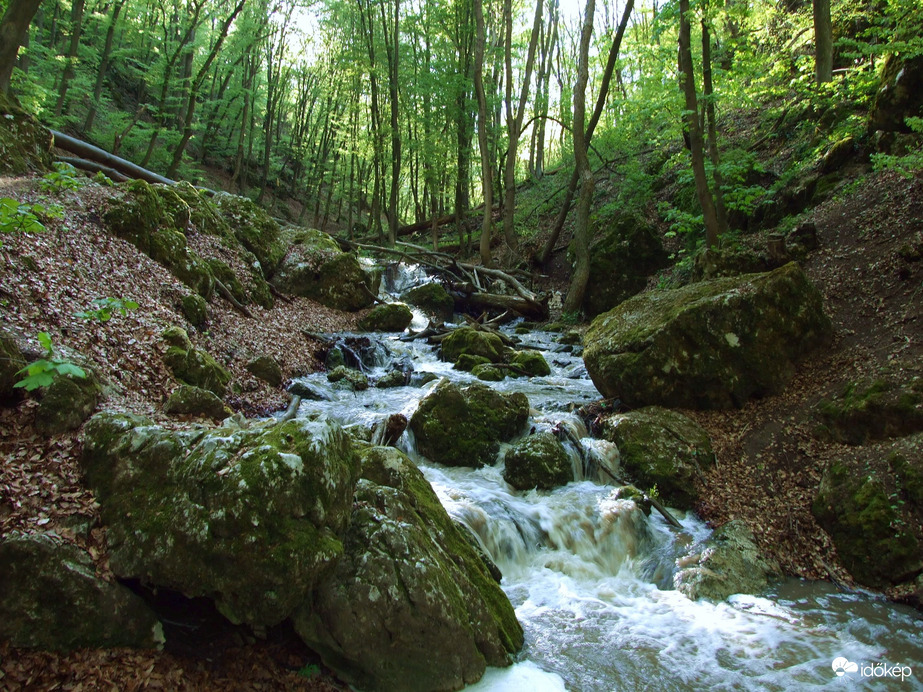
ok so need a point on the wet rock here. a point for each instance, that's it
(194, 401)
(11, 362)
(410, 606)
(349, 378)
(464, 426)
(571, 338)
(469, 363)
(538, 461)
(869, 502)
(193, 366)
(51, 598)
(394, 378)
(728, 562)
(624, 257)
(316, 268)
(252, 518)
(433, 299)
(67, 402)
(391, 317)
(661, 448)
(712, 344)
(267, 369)
(488, 372)
(418, 379)
(306, 391)
(874, 409)
(466, 340)
(254, 229)
(532, 362)
(195, 309)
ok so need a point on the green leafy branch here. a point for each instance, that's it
(43, 372)
(105, 307)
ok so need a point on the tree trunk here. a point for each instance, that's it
(103, 66)
(581, 275)
(483, 125)
(76, 28)
(708, 93)
(823, 41)
(13, 29)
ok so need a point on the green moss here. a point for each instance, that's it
(537, 461)
(532, 362)
(176, 336)
(25, 146)
(873, 409)
(432, 298)
(197, 368)
(466, 340)
(267, 369)
(195, 309)
(486, 371)
(254, 229)
(189, 400)
(468, 362)
(352, 379)
(390, 317)
(67, 402)
(226, 275)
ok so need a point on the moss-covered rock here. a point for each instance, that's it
(252, 518)
(67, 402)
(873, 521)
(538, 461)
(221, 271)
(662, 448)
(193, 366)
(716, 263)
(625, 255)
(532, 362)
(25, 146)
(433, 299)
(316, 268)
(711, 344)
(874, 409)
(194, 401)
(900, 94)
(411, 606)
(201, 211)
(466, 340)
(728, 562)
(486, 371)
(267, 369)
(254, 229)
(51, 598)
(464, 426)
(349, 378)
(390, 317)
(11, 362)
(394, 378)
(195, 309)
(468, 362)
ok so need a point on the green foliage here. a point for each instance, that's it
(906, 164)
(43, 372)
(105, 307)
(310, 670)
(63, 177)
(20, 218)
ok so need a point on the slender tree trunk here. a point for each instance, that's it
(483, 125)
(391, 52)
(71, 59)
(13, 29)
(708, 94)
(823, 41)
(691, 117)
(103, 66)
(581, 275)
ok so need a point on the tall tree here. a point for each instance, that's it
(13, 29)
(484, 125)
(103, 65)
(71, 59)
(823, 41)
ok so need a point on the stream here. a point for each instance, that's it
(591, 577)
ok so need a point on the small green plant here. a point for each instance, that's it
(105, 307)
(63, 177)
(20, 218)
(572, 317)
(309, 670)
(907, 164)
(43, 372)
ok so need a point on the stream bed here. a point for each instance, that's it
(591, 577)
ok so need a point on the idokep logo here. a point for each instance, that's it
(841, 666)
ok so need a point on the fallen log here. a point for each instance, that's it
(92, 153)
(94, 167)
(534, 310)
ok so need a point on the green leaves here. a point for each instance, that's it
(105, 307)
(20, 218)
(42, 372)
(63, 177)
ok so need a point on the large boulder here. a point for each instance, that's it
(474, 342)
(193, 366)
(25, 145)
(900, 95)
(267, 369)
(194, 401)
(870, 502)
(726, 563)
(67, 402)
(532, 363)
(662, 448)
(252, 518)
(538, 461)
(712, 344)
(51, 598)
(411, 606)
(389, 317)
(316, 268)
(433, 299)
(254, 229)
(621, 261)
(464, 426)
(11, 363)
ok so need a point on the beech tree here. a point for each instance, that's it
(13, 30)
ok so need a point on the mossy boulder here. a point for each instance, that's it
(252, 518)
(466, 340)
(394, 378)
(872, 518)
(195, 309)
(67, 402)
(25, 145)
(726, 563)
(390, 317)
(226, 275)
(193, 366)
(464, 426)
(468, 363)
(51, 598)
(267, 369)
(194, 401)
(715, 263)
(532, 362)
(202, 212)
(11, 362)
(433, 299)
(348, 378)
(537, 461)
(663, 448)
(900, 94)
(623, 258)
(254, 229)
(411, 606)
(316, 268)
(874, 409)
(488, 372)
(712, 344)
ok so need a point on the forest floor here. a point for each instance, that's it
(769, 458)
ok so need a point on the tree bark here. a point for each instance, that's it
(103, 66)
(823, 41)
(13, 29)
(483, 126)
(708, 93)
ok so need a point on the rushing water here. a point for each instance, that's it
(591, 576)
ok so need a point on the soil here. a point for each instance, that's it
(769, 458)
